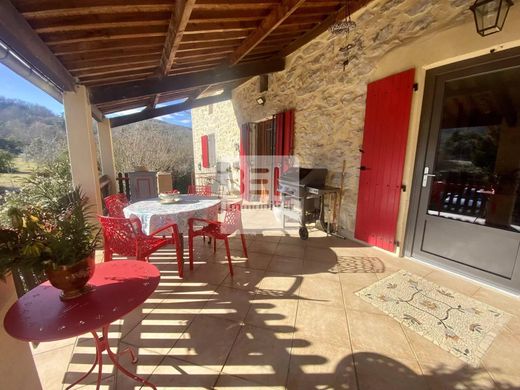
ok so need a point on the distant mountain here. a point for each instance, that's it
(23, 122)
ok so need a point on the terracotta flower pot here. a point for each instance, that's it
(72, 279)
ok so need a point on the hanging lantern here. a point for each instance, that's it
(490, 15)
(346, 24)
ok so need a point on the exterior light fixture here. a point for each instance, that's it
(260, 100)
(490, 15)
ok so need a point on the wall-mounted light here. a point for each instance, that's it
(490, 15)
(260, 100)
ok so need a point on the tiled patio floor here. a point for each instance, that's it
(287, 319)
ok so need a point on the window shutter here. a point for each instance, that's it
(212, 152)
(205, 151)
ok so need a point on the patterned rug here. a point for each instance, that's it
(458, 324)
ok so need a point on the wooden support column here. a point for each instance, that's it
(82, 147)
(106, 151)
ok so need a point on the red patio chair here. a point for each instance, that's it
(199, 190)
(124, 236)
(218, 231)
(115, 205)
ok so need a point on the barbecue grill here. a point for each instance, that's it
(302, 191)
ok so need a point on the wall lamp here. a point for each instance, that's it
(490, 15)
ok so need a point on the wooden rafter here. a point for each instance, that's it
(320, 28)
(16, 33)
(268, 25)
(156, 112)
(149, 87)
(178, 23)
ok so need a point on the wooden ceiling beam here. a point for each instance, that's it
(320, 28)
(18, 35)
(71, 23)
(178, 22)
(106, 45)
(76, 65)
(114, 71)
(101, 57)
(193, 80)
(197, 28)
(156, 112)
(60, 8)
(213, 37)
(111, 33)
(218, 5)
(276, 17)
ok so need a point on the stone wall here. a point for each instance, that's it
(218, 119)
(330, 100)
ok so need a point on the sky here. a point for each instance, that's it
(15, 87)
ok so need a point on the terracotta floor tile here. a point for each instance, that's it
(327, 292)
(503, 357)
(260, 355)
(461, 285)
(263, 247)
(290, 250)
(442, 376)
(321, 322)
(244, 278)
(255, 260)
(206, 342)
(378, 371)
(229, 303)
(178, 374)
(286, 265)
(146, 364)
(52, 366)
(326, 255)
(378, 333)
(231, 382)
(280, 284)
(274, 313)
(321, 366)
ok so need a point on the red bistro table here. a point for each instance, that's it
(119, 287)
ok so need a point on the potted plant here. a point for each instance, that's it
(56, 237)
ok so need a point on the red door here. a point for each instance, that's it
(387, 119)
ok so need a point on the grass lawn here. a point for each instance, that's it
(13, 180)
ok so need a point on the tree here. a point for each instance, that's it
(6, 161)
(155, 145)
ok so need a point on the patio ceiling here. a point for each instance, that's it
(135, 53)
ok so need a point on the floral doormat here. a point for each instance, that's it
(458, 324)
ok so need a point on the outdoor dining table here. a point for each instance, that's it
(154, 215)
(118, 288)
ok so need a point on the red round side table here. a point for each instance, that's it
(119, 287)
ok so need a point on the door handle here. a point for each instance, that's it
(426, 175)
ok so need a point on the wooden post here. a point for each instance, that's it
(82, 148)
(106, 152)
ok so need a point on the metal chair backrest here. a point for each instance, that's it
(121, 234)
(199, 190)
(115, 205)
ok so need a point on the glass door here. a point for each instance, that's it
(469, 205)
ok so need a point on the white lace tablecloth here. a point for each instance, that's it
(154, 215)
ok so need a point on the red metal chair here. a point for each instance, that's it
(218, 231)
(199, 190)
(115, 205)
(124, 236)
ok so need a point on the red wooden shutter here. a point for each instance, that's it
(244, 165)
(387, 119)
(205, 151)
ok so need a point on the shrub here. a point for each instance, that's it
(6, 161)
